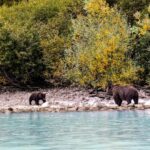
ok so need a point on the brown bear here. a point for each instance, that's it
(37, 97)
(121, 93)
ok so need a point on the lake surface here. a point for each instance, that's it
(113, 130)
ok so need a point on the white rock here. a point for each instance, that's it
(55, 106)
(147, 103)
(111, 105)
(80, 104)
(142, 101)
(21, 106)
(46, 104)
(91, 102)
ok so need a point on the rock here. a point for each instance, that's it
(142, 101)
(113, 106)
(61, 109)
(93, 102)
(147, 103)
(131, 105)
(103, 108)
(9, 110)
(82, 108)
(139, 106)
(46, 104)
(94, 108)
(72, 109)
(54, 106)
(80, 105)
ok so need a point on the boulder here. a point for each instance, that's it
(46, 104)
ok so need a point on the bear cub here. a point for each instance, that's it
(37, 97)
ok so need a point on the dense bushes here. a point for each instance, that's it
(99, 45)
(130, 7)
(85, 42)
(140, 44)
(142, 57)
(10, 2)
(21, 55)
(30, 33)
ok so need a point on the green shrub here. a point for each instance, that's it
(10, 2)
(130, 7)
(37, 33)
(140, 44)
(140, 53)
(21, 56)
(99, 46)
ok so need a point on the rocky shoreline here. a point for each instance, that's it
(67, 100)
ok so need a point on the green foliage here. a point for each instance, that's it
(83, 41)
(112, 2)
(44, 24)
(140, 44)
(10, 2)
(45, 13)
(142, 55)
(76, 8)
(21, 56)
(99, 46)
(130, 7)
(55, 36)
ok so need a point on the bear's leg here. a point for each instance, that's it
(37, 101)
(136, 100)
(44, 100)
(129, 101)
(118, 101)
(30, 101)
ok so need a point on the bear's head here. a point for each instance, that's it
(109, 88)
(42, 96)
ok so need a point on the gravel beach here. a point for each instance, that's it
(14, 98)
(66, 99)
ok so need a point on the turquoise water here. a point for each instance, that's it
(126, 130)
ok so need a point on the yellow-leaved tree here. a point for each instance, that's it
(99, 46)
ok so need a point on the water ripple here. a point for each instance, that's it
(76, 131)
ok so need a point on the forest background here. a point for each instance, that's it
(74, 42)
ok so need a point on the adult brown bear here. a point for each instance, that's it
(37, 97)
(121, 93)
